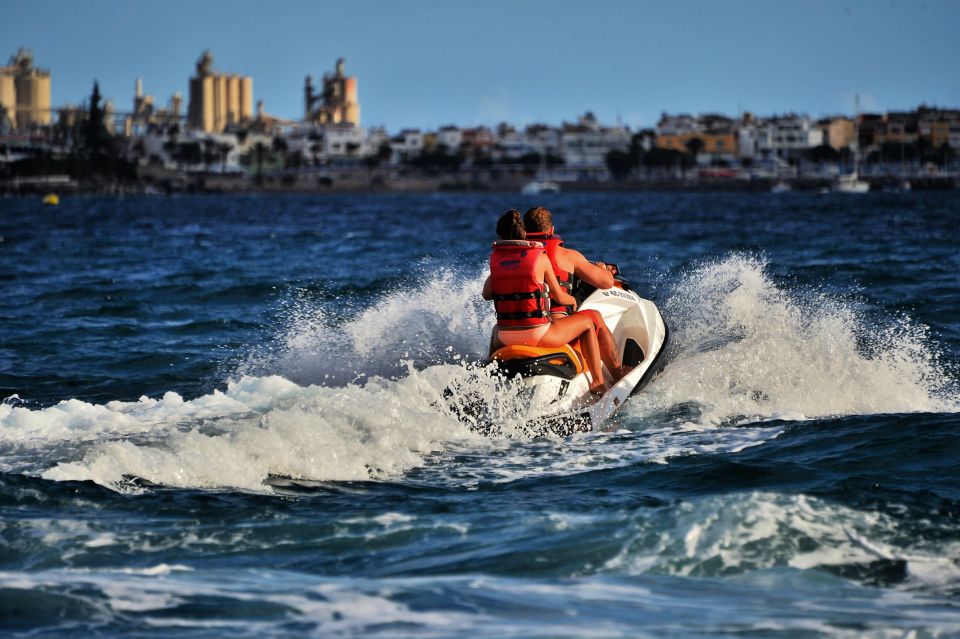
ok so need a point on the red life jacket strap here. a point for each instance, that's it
(512, 297)
(519, 316)
(543, 304)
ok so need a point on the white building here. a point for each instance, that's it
(406, 145)
(450, 137)
(786, 136)
(678, 125)
(544, 139)
(586, 143)
(747, 141)
(513, 145)
(317, 144)
(377, 137)
(345, 141)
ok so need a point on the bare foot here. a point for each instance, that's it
(597, 391)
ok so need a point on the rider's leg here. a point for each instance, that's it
(565, 330)
(608, 346)
(591, 351)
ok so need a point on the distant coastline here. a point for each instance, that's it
(223, 145)
(158, 181)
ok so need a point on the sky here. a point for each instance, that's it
(428, 63)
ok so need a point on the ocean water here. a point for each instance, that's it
(223, 416)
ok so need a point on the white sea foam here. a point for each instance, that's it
(349, 433)
(746, 349)
(743, 349)
(76, 420)
(443, 318)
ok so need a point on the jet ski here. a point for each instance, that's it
(555, 380)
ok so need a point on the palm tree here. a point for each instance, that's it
(209, 153)
(170, 148)
(279, 148)
(224, 149)
(260, 150)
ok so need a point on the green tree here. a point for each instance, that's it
(530, 159)
(694, 147)
(223, 149)
(138, 149)
(620, 163)
(190, 153)
(96, 155)
(439, 158)
(260, 150)
(209, 153)
(553, 160)
(897, 152)
(658, 158)
(823, 153)
(946, 154)
(637, 150)
(170, 148)
(278, 148)
(384, 152)
(95, 133)
(925, 150)
(315, 150)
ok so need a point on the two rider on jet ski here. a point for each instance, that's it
(528, 267)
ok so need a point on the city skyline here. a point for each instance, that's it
(425, 64)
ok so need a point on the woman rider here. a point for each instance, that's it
(520, 273)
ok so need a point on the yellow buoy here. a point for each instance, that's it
(51, 198)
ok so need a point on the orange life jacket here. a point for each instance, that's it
(520, 299)
(552, 242)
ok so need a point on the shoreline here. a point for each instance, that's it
(363, 182)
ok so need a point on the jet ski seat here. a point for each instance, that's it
(559, 361)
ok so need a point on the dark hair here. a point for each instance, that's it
(538, 220)
(510, 226)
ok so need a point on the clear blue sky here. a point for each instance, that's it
(425, 63)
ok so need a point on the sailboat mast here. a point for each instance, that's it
(856, 134)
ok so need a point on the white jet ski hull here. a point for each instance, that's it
(564, 406)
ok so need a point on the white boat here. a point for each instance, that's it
(540, 186)
(555, 380)
(780, 187)
(851, 183)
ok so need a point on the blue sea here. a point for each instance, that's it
(223, 416)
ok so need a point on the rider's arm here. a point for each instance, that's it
(597, 276)
(556, 291)
(487, 293)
